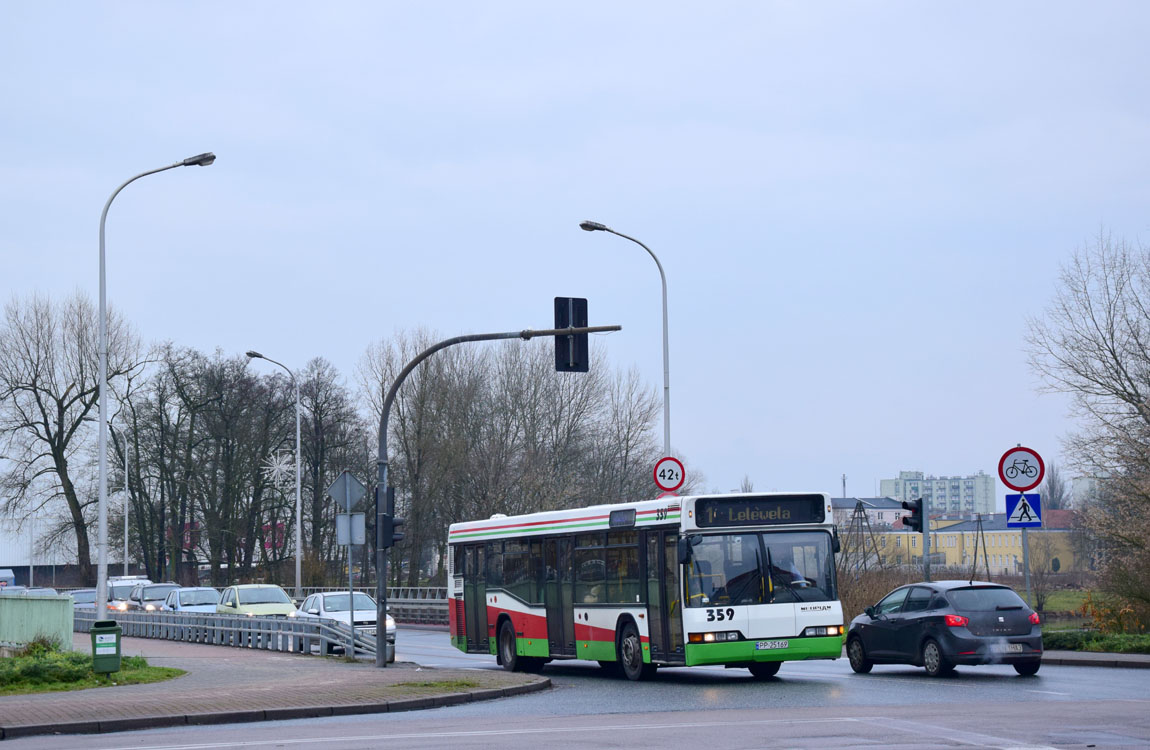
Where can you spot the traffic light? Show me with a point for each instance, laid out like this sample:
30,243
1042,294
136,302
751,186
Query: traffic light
571,353
391,524
914,520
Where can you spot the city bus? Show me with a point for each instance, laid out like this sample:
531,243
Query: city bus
736,580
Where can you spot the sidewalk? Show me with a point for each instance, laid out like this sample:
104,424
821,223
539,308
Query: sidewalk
225,685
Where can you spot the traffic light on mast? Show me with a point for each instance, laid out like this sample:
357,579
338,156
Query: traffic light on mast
571,352
391,523
914,520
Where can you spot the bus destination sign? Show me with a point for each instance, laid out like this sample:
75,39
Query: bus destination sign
759,511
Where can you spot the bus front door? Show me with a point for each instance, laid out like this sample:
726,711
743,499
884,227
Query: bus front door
475,599
560,609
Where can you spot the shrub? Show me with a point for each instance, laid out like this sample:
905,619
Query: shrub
40,646
1066,640
1113,614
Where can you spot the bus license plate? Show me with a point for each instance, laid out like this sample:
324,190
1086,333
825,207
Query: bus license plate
767,645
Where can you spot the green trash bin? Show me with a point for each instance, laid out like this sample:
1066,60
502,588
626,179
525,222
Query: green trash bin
106,646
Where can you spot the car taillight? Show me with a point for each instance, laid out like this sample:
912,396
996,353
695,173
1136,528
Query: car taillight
956,621
1034,619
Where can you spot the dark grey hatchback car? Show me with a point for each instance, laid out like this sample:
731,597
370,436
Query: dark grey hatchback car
946,623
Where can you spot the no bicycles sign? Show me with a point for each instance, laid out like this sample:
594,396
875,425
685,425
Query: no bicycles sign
1021,469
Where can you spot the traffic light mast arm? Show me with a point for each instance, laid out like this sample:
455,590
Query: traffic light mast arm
381,458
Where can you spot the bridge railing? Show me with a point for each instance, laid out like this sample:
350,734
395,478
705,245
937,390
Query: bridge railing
289,634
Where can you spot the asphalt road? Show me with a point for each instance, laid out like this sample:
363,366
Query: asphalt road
814,704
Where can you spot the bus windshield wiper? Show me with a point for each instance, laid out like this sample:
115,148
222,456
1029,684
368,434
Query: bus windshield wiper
770,578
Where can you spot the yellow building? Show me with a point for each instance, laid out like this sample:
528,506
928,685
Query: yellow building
953,543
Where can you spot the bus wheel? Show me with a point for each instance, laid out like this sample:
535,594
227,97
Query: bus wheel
631,655
511,660
764,669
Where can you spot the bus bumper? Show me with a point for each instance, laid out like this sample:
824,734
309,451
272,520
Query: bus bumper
771,649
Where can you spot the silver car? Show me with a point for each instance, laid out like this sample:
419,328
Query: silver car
333,605
191,599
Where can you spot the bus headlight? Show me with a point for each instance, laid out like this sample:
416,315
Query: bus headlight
730,635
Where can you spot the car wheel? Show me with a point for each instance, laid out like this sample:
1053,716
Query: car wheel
630,651
764,669
935,663
857,656
511,660
1027,668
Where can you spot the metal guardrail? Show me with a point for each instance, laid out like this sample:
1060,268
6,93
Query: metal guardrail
268,633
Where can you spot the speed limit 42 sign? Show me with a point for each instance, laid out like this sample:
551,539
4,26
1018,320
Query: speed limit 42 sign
669,474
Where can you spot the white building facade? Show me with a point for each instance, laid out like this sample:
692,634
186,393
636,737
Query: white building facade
951,496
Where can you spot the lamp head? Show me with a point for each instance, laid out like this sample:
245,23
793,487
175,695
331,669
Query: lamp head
254,355
200,160
592,226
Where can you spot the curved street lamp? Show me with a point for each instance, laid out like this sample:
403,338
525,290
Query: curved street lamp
199,160
298,503
594,226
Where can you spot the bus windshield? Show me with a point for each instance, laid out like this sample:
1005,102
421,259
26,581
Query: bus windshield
761,568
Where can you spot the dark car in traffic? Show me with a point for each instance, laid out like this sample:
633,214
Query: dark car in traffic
942,624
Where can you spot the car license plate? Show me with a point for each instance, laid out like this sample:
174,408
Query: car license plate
1007,648
367,631
767,645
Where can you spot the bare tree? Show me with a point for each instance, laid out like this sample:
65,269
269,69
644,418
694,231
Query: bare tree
1044,566
1094,344
49,386
1054,491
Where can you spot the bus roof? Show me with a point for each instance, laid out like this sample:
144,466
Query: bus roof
659,512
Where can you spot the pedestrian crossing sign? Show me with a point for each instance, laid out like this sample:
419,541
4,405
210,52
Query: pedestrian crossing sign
1024,511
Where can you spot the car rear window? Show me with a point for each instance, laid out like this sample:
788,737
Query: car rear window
985,599
268,595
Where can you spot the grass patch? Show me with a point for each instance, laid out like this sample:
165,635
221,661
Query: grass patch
1065,600
46,671
442,684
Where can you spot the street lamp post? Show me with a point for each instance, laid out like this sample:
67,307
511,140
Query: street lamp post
298,504
200,160
594,226
124,437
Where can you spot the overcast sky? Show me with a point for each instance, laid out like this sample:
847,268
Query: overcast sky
857,206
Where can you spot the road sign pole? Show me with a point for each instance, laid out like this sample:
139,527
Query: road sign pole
1026,565
350,587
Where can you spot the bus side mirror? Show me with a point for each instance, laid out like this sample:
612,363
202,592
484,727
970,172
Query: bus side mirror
685,545
836,545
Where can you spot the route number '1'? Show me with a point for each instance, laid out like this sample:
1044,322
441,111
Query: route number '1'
669,474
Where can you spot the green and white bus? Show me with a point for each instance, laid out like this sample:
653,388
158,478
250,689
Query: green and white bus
741,580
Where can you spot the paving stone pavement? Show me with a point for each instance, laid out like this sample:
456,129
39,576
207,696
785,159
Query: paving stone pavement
225,684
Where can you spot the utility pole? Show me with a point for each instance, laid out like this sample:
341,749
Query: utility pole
383,508
926,538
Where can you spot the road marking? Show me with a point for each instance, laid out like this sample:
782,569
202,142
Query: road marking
1046,692
373,738
935,731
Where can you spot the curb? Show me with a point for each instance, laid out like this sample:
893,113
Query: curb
1075,661
269,714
